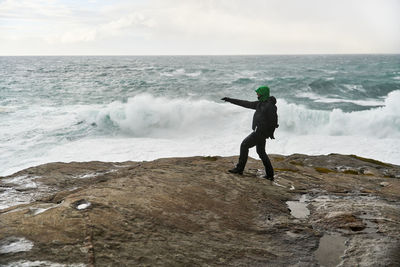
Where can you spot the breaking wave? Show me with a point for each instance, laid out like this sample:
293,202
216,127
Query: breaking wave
381,122
145,115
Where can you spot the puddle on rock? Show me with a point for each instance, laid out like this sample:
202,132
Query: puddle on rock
81,204
298,209
330,250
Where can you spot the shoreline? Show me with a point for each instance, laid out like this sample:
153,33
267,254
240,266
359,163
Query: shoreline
251,154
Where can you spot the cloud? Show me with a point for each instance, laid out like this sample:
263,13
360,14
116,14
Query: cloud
206,26
33,9
74,36
129,21
123,25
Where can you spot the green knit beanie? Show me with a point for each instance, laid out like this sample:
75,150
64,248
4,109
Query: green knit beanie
263,91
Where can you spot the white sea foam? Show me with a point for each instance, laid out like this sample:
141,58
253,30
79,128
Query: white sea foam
355,87
147,127
14,245
368,103
22,182
19,190
147,116
324,99
381,122
180,72
331,71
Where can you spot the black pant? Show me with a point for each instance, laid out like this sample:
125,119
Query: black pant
255,139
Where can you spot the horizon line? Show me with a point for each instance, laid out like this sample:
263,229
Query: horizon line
193,55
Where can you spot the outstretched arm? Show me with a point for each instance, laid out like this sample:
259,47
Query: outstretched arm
242,103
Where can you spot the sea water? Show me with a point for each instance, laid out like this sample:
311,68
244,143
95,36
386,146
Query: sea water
143,108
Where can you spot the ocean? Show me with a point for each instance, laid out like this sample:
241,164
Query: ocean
139,108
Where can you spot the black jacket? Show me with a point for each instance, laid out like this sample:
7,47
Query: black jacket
265,119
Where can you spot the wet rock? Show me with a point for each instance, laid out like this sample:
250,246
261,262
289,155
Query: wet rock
344,221
192,212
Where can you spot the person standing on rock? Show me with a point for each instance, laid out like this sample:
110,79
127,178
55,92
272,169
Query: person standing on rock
265,121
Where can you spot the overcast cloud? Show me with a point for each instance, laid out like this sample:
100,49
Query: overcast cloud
154,27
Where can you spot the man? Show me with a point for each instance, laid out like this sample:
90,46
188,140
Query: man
265,120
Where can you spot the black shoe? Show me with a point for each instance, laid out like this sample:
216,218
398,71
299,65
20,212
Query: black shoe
236,170
271,178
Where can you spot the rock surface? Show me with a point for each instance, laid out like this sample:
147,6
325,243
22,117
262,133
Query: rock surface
192,212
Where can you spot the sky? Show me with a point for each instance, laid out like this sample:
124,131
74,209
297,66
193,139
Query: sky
198,27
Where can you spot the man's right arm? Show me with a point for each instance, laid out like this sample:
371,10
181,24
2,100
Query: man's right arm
242,103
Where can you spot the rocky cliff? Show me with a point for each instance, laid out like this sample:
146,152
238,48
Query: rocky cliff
320,210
